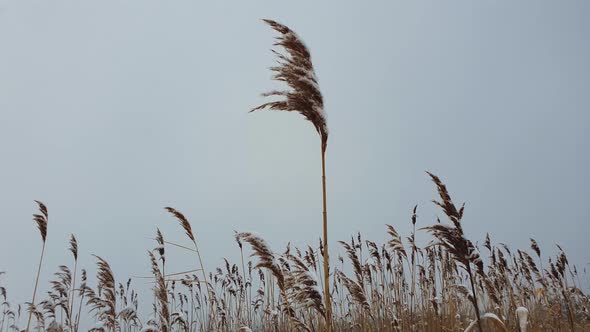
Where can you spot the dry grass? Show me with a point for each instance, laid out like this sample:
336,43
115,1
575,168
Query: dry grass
394,286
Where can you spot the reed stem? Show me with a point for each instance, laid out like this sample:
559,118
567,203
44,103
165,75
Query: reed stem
327,300
71,302
474,297
36,284
211,299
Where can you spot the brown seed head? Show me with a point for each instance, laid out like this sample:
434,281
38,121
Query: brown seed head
41,220
296,70
183,222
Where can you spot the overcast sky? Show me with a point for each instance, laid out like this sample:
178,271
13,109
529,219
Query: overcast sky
112,110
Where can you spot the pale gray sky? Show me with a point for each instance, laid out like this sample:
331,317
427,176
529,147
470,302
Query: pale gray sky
111,110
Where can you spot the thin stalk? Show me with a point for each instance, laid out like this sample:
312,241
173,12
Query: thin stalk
71,302
328,303
568,303
413,276
190,325
207,285
2,322
474,297
36,284
80,310
291,329
242,296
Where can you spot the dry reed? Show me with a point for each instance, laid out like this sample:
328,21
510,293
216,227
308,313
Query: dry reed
453,288
295,68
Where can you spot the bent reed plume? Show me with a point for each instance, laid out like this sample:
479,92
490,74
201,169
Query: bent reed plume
295,68
41,220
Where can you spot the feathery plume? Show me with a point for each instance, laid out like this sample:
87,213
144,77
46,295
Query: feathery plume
265,255
304,285
107,305
183,222
396,243
355,290
74,246
41,220
453,239
296,70
161,294
535,247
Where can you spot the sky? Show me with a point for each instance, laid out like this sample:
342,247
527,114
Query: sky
112,110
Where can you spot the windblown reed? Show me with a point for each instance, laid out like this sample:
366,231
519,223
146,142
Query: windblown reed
41,220
295,68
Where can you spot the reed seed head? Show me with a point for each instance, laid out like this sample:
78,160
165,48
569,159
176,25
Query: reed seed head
296,70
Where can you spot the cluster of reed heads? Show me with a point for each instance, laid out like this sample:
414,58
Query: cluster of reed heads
447,285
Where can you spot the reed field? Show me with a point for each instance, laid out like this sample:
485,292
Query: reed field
391,286
451,284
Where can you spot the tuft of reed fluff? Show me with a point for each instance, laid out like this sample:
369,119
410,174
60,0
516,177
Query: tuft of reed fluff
161,294
268,261
296,70
304,285
453,239
73,246
183,222
41,220
107,305
266,258
356,291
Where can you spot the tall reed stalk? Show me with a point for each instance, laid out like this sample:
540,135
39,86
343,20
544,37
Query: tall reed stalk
41,220
189,232
74,250
328,302
454,240
295,68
